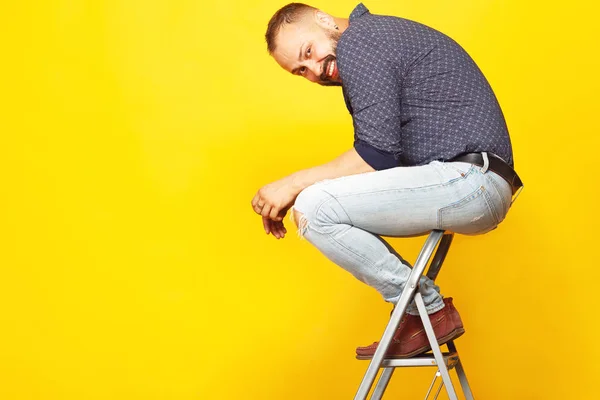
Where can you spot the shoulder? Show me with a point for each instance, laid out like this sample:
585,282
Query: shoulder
366,49
360,34
363,38
396,32
388,34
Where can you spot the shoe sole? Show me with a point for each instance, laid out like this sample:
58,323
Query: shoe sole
443,340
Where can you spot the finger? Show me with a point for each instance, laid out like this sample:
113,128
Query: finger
274,229
266,210
282,229
258,207
280,233
280,226
257,203
277,226
267,225
255,200
281,214
274,213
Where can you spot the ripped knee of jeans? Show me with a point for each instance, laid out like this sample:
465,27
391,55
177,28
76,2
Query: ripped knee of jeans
300,220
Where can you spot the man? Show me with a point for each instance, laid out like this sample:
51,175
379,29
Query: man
431,151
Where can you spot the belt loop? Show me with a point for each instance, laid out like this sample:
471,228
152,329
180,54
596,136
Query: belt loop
486,163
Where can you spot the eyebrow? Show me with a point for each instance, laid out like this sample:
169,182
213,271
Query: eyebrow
295,70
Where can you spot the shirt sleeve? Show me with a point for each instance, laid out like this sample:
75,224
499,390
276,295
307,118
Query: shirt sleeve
378,159
377,131
372,91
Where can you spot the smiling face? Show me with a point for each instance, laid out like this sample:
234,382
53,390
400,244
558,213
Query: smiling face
307,48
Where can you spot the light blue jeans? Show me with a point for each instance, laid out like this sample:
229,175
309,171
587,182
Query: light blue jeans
346,217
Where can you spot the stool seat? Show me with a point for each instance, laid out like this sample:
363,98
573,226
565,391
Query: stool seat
438,242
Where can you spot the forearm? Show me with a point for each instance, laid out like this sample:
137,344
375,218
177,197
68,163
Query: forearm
273,200
349,163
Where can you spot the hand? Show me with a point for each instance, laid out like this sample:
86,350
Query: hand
275,228
273,200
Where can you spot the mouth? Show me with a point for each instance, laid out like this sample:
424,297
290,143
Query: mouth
330,70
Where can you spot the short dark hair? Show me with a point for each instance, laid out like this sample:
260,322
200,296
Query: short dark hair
285,15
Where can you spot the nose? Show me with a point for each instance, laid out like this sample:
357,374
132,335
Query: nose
315,68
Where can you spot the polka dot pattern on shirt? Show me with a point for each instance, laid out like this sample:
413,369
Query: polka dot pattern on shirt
415,95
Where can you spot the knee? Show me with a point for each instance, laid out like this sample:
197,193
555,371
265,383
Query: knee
296,216
306,206
308,202
316,205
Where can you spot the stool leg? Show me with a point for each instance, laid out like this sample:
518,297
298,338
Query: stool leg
438,391
435,348
382,383
440,256
407,294
435,376
460,371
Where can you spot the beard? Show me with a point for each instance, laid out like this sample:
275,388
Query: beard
324,80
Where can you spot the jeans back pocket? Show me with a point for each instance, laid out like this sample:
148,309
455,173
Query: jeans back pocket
472,215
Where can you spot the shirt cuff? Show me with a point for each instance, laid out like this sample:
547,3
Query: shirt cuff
376,158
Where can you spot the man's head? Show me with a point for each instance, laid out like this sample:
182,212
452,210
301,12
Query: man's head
303,40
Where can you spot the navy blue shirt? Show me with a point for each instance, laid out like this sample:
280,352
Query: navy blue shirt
414,94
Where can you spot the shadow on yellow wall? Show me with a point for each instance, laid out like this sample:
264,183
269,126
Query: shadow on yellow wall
134,135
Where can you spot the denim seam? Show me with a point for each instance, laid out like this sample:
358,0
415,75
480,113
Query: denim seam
487,198
430,309
488,201
457,170
504,205
303,227
444,184
348,250
391,283
467,199
330,237
333,198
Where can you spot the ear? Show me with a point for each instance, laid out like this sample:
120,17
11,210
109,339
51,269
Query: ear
325,20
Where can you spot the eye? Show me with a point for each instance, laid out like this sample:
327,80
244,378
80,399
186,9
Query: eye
308,51
302,70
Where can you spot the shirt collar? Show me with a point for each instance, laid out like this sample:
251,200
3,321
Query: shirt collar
358,11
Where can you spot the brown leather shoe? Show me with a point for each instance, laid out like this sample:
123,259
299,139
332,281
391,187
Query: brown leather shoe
410,338
455,317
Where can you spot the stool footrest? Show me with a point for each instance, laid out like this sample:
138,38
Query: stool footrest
424,360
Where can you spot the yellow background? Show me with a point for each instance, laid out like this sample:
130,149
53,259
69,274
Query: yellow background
133,137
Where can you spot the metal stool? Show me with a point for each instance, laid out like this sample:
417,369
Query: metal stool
444,361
